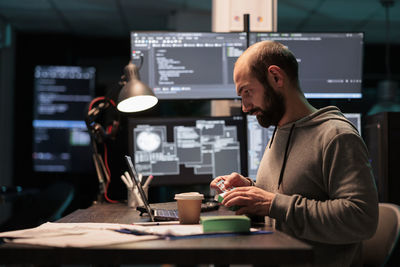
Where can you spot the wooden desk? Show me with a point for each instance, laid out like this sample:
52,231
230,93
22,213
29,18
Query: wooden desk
275,249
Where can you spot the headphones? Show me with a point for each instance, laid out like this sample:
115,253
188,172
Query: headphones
96,113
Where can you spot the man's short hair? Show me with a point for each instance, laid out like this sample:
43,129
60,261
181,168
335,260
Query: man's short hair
273,53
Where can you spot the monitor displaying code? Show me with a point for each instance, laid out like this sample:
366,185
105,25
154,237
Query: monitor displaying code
61,142
330,64
196,65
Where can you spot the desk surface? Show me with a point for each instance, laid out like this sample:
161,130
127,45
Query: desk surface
275,248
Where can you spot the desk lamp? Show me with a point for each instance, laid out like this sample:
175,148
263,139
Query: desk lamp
135,96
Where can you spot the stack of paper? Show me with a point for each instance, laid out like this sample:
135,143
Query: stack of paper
73,235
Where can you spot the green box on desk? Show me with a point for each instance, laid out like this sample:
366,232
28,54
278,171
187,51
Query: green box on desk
220,198
226,224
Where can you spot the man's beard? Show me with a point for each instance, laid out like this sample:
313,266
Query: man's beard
275,108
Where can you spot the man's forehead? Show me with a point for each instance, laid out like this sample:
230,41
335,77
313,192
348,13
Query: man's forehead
238,74
245,59
246,56
241,68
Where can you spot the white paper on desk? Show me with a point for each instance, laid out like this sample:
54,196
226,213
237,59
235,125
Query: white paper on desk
169,229
73,235
172,230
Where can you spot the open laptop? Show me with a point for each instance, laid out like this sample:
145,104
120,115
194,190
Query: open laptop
154,214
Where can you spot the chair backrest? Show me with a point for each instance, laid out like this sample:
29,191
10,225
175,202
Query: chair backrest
377,250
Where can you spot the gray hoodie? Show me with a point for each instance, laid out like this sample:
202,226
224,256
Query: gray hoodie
326,194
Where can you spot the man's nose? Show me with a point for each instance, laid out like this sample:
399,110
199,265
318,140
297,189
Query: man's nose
246,107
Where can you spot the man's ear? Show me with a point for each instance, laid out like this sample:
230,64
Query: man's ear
275,75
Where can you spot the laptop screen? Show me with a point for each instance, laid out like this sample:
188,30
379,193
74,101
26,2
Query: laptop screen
134,176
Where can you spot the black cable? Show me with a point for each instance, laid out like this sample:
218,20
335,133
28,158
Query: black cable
246,26
285,156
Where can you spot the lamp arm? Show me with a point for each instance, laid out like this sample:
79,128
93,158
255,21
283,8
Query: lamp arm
97,135
100,176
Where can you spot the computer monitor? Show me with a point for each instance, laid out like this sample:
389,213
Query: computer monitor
61,142
258,138
355,119
193,150
190,65
330,64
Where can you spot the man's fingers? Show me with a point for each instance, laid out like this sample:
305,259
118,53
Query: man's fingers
238,191
214,183
239,198
242,196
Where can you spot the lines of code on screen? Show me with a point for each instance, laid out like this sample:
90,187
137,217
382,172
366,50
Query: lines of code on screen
60,138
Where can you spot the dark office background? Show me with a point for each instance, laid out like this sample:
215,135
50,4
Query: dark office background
109,53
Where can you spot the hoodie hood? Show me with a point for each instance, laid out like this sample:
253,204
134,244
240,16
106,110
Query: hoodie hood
320,116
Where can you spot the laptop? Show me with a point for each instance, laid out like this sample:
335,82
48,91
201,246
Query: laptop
154,214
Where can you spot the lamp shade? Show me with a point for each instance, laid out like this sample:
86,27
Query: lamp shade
135,96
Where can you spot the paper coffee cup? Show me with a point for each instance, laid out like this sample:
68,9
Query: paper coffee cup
189,207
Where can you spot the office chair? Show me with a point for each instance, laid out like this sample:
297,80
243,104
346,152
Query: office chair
377,250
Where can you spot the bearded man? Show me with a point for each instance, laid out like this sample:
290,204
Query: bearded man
314,180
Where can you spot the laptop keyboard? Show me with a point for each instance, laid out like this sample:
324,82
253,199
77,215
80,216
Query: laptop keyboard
166,214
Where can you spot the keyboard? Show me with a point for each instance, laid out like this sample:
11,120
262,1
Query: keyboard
165,215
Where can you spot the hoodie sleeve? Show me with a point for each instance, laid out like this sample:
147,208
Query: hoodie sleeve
351,212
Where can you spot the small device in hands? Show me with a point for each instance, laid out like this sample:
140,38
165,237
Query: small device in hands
220,197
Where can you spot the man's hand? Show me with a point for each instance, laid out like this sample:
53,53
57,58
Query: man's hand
251,199
232,180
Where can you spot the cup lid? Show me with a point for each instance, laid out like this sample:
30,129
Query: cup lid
189,195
